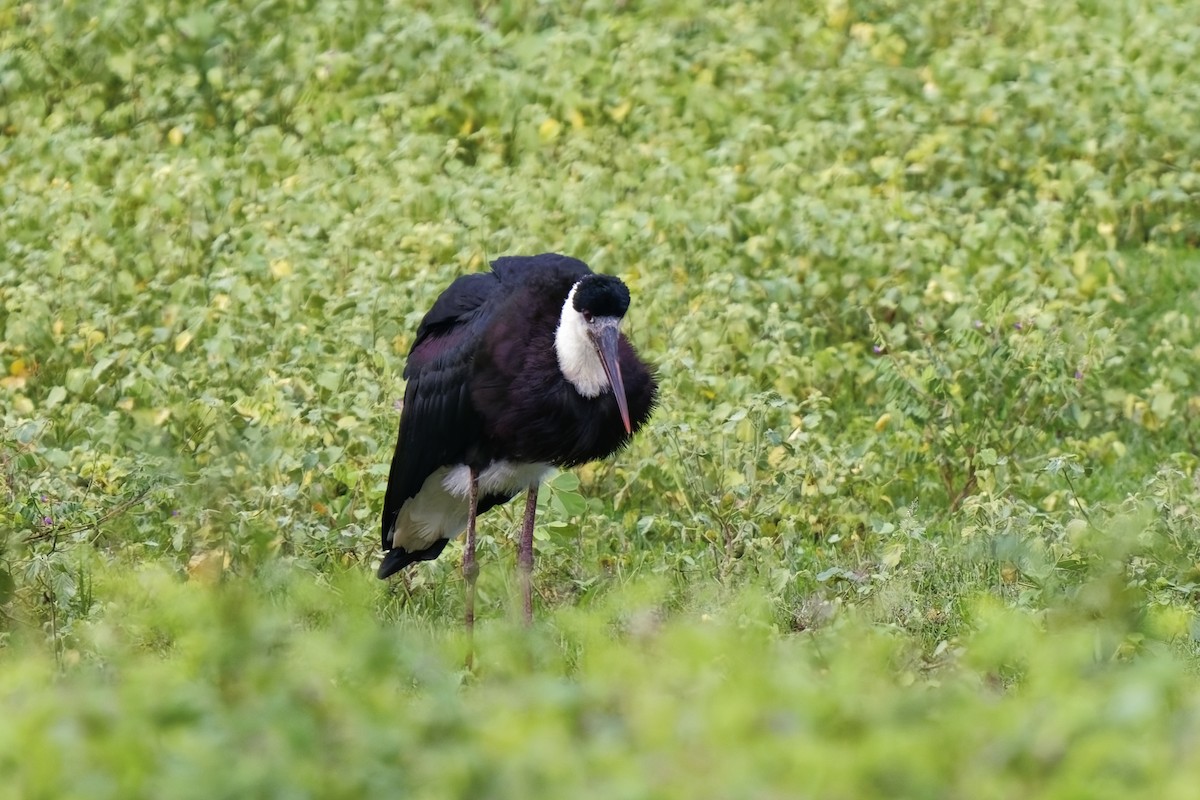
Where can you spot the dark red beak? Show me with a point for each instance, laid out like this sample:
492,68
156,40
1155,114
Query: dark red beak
607,341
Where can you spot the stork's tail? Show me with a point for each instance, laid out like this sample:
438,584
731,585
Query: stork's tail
397,558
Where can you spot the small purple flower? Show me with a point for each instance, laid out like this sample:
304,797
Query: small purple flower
47,521
877,349
978,324
1078,375
44,498
1018,325
175,513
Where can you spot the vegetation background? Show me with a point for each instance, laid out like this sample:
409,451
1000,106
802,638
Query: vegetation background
919,515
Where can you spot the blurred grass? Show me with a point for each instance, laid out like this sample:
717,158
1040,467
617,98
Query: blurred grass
289,686
919,513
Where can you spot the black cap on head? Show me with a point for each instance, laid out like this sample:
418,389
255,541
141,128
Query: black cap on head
602,296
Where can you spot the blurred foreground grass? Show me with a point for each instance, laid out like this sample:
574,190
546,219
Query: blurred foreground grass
289,686
920,512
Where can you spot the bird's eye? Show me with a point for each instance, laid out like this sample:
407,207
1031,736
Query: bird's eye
587,316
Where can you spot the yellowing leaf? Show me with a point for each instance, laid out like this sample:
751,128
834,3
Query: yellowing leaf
549,129
1079,262
182,340
862,32
281,268
175,136
576,119
18,368
618,113
248,409
837,14
1170,623
208,567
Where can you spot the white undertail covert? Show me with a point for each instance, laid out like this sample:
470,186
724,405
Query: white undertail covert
439,510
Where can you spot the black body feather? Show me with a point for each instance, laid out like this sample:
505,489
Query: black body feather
484,385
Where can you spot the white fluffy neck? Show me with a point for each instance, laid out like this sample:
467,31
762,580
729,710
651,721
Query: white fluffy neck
577,357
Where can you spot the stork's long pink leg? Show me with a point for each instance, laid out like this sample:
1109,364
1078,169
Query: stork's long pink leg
525,552
469,567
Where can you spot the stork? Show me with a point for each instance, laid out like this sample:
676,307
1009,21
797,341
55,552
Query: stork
512,372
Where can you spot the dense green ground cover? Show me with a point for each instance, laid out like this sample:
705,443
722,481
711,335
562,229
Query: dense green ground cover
919,514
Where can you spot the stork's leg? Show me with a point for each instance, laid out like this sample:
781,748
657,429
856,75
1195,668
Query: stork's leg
469,567
525,552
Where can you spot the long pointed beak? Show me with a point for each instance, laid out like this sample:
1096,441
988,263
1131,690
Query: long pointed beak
606,342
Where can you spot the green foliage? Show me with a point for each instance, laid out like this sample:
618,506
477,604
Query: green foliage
917,515
613,701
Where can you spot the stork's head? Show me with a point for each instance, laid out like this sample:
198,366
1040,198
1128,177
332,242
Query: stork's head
588,338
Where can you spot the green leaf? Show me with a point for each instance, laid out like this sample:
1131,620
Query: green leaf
573,504
55,397
198,25
564,482
329,380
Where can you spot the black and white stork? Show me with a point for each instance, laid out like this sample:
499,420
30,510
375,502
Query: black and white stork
512,372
